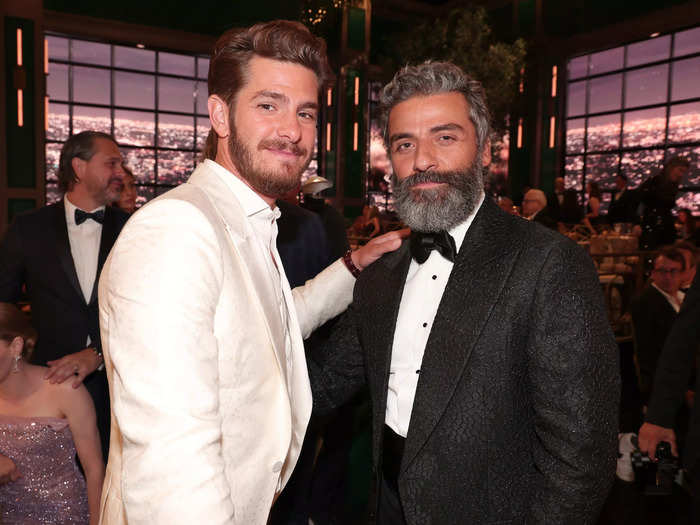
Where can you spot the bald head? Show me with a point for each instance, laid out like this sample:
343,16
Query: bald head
534,201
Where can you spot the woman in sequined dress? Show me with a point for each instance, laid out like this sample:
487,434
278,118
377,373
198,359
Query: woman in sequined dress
42,425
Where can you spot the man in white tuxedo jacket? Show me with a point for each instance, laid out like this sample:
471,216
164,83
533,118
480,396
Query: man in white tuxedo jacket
202,334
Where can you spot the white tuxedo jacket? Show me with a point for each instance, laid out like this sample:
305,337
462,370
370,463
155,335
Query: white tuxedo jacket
208,414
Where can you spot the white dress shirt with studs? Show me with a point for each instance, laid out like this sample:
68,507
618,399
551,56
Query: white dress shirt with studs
422,292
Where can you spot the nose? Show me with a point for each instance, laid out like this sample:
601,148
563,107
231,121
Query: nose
289,127
425,158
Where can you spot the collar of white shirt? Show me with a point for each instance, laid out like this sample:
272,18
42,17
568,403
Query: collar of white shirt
675,302
70,212
460,231
252,203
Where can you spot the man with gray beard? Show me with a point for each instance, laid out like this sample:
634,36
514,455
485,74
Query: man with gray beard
483,340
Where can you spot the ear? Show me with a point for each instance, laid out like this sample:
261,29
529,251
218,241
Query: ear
219,116
78,166
16,346
486,154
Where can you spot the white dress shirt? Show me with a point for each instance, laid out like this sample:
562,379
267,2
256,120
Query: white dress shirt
84,242
263,219
422,292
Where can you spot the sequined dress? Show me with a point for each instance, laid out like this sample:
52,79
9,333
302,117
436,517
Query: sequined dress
51,489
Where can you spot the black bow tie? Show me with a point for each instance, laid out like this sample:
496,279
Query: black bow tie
423,243
81,216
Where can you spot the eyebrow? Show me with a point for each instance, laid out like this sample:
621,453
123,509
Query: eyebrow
398,136
435,129
446,127
275,95
308,105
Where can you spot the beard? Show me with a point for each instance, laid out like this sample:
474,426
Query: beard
442,208
269,182
108,194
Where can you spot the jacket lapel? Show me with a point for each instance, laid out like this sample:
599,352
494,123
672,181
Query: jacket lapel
246,248
480,272
63,248
110,232
386,285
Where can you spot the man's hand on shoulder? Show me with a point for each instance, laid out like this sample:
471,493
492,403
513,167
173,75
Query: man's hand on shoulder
651,435
375,248
8,470
77,366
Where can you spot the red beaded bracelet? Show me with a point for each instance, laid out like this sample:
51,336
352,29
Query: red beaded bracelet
347,259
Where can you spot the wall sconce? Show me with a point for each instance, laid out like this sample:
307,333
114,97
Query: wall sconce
552,130
20,94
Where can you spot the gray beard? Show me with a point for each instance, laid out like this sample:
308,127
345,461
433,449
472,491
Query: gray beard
439,209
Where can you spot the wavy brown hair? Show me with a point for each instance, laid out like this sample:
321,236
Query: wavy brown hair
281,40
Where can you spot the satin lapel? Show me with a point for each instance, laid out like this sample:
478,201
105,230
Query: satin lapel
63,248
481,270
110,232
382,308
247,249
254,263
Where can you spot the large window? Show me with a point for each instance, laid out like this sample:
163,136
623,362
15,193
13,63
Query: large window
153,102
631,108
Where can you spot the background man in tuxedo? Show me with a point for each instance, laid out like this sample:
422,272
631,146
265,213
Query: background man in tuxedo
555,200
484,341
57,253
653,313
203,342
675,366
623,207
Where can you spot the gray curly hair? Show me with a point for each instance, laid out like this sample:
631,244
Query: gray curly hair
431,78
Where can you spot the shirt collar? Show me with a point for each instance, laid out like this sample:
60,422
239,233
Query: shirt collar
251,202
460,231
675,302
70,211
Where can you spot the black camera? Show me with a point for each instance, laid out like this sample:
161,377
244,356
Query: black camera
655,478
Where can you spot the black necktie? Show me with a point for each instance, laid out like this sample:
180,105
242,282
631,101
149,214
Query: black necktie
81,216
423,243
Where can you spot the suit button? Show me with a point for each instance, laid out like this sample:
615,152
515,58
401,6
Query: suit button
277,467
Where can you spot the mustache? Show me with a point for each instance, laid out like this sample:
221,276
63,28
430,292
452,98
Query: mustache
436,177
282,145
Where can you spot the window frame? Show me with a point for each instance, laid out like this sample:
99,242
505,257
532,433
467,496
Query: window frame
584,153
155,183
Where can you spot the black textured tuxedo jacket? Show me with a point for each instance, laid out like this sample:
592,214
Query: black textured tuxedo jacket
675,366
35,252
515,414
653,317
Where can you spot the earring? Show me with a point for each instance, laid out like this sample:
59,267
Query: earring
15,366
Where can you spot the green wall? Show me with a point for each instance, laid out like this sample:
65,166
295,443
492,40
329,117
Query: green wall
209,18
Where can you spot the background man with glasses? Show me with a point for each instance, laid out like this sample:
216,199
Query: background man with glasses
653,313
